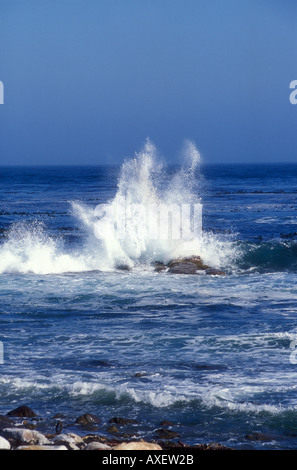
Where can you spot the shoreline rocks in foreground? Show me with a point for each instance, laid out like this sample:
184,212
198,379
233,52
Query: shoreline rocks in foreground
18,432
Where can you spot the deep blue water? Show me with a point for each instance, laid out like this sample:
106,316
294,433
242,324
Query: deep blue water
209,353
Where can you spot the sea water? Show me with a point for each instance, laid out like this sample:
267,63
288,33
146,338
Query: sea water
214,355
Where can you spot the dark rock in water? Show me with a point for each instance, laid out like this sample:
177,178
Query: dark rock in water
261,436
113,430
190,259
5,422
183,268
123,267
22,412
167,433
123,421
140,374
160,268
59,416
157,263
166,423
190,265
214,272
86,419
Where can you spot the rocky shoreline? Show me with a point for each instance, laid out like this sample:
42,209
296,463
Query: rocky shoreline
187,265
20,430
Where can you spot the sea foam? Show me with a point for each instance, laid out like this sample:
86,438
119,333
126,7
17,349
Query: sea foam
143,182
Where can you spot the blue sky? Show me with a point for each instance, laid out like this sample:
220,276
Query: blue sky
87,81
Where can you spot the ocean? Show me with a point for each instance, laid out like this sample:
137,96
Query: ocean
88,326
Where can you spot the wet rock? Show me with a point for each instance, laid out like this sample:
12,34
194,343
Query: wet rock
166,423
123,421
5,422
190,259
140,374
214,272
137,445
191,265
183,268
4,444
167,433
87,419
113,430
59,416
160,268
123,267
260,436
22,436
22,412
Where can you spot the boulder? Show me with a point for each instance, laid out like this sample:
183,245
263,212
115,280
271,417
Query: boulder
137,445
191,265
22,412
71,441
183,268
87,418
4,444
22,436
189,259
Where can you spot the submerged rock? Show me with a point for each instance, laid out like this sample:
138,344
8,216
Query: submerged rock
167,433
123,421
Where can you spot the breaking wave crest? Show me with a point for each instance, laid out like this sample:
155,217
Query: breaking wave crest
143,182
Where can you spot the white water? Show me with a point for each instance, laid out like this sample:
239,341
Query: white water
142,183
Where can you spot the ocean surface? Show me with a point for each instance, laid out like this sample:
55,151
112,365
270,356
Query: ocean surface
214,355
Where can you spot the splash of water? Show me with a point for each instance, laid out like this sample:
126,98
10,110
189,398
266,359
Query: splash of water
146,235
150,209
